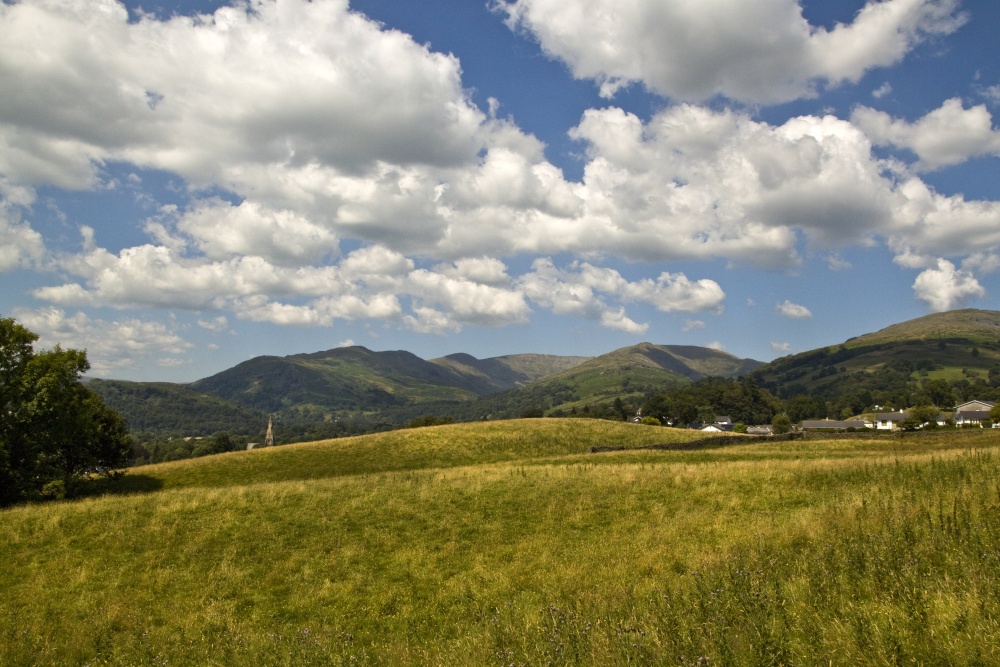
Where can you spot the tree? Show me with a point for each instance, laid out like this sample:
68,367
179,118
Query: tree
781,423
53,430
995,413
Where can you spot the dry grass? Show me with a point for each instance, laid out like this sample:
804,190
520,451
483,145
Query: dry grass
790,553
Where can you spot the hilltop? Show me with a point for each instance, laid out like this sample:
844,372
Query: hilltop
959,348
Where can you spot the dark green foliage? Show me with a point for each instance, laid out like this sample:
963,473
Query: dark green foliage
781,424
741,400
174,409
430,420
53,430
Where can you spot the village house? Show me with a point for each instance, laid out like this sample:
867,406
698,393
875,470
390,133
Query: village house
889,421
972,413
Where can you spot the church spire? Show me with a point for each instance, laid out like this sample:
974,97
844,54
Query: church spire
269,438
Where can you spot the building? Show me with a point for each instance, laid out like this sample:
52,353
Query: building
889,421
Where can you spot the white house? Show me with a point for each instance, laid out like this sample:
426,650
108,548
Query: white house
984,406
972,413
889,421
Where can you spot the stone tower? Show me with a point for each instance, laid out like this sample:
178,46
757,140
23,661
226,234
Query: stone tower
269,438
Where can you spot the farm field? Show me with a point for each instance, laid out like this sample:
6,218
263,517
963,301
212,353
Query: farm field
508,543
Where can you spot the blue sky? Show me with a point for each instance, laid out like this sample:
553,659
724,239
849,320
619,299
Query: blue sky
185,185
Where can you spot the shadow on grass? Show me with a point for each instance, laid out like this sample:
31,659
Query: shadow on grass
126,484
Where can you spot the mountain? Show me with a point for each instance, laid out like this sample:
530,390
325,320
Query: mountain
499,373
956,346
642,369
630,374
356,379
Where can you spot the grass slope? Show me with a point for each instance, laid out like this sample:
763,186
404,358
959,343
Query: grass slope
827,552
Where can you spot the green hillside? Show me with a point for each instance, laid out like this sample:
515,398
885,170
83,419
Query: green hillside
500,373
351,378
175,409
956,347
501,544
638,371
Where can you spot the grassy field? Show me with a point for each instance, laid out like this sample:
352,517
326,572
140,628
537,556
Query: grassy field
507,543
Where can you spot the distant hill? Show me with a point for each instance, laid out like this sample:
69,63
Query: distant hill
358,379
630,373
641,369
499,373
952,346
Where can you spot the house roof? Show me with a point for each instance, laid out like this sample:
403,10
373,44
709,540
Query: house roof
891,416
987,404
972,415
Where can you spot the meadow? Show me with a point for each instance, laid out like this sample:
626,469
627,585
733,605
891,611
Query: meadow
508,543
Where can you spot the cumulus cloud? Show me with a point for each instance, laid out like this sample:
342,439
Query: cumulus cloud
949,135
781,347
747,50
22,246
991,94
882,91
582,289
792,310
945,287
691,325
337,132
215,324
110,345
697,183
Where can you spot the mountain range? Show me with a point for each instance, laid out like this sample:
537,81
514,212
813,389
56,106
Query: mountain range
393,387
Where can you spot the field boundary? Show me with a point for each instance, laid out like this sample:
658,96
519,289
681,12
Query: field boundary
704,443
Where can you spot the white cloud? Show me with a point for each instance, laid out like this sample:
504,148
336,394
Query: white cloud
944,287
792,310
781,347
882,91
748,50
949,135
324,127
466,301
483,270
110,345
582,290
696,183
991,94
221,230
691,325
346,343
299,80
21,246
215,325
837,263
716,345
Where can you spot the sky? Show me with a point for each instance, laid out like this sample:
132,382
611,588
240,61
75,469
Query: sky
187,184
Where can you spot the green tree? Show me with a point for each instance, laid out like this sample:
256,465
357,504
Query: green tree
781,423
53,430
995,413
